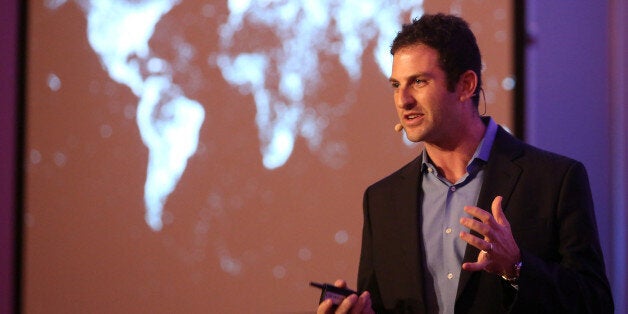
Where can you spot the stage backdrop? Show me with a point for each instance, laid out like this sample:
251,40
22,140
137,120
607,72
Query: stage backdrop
206,156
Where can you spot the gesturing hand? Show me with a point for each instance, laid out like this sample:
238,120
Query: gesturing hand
499,251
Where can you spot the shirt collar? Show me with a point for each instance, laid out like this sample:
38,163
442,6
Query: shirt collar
483,150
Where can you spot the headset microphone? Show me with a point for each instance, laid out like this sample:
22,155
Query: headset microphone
398,127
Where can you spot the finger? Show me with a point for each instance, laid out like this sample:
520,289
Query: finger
363,301
480,244
477,266
475,225
368,307
325,307
498,212
478,213
347,304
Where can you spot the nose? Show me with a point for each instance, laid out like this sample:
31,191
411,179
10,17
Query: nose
404,98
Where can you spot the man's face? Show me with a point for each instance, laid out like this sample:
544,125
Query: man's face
426,109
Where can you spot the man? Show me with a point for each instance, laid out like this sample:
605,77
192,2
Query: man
531,243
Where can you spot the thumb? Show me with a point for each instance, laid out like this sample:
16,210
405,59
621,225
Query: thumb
340,283
498,213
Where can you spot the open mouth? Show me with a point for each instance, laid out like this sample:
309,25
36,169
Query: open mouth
413,117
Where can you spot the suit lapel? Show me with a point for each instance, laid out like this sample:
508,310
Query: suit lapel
501,173
408,223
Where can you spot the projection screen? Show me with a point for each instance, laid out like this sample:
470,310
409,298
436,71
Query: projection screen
210,156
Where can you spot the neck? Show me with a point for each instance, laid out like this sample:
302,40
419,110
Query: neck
451,156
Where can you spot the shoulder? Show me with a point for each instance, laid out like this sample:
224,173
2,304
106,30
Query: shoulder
409,171
529,156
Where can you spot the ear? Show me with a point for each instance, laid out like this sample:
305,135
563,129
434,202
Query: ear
466,85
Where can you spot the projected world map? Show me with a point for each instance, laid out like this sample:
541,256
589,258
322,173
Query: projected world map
282,75
185,156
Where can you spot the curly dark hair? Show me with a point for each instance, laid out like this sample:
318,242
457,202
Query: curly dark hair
452,38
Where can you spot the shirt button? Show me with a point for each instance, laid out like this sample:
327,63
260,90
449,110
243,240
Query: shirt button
450,276
448,230
453,188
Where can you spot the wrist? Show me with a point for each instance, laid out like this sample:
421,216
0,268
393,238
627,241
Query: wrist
513,275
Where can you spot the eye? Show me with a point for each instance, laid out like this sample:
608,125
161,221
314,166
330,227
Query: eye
394,85
419,82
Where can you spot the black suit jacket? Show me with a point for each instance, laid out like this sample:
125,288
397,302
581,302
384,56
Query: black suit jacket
546,199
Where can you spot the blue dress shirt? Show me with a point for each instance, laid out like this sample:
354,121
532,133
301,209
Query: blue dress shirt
442,208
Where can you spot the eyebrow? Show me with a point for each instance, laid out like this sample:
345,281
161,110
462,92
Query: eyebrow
413,76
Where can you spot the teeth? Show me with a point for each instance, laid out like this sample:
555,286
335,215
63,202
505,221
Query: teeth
412,116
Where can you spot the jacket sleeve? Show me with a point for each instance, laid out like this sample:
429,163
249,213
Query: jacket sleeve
574,281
